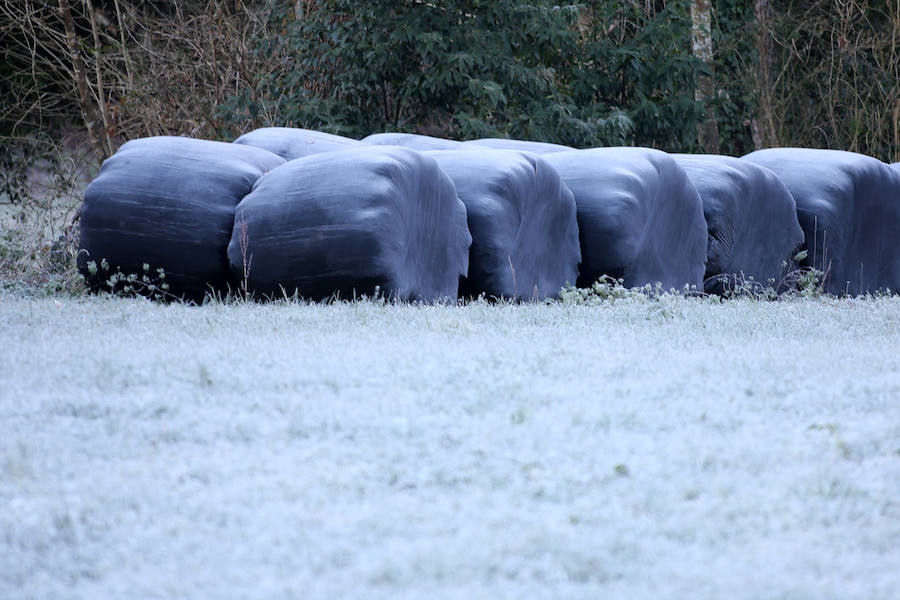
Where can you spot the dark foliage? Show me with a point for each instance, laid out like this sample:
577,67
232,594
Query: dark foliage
459,69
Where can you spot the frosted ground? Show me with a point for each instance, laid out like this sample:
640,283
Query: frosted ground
676,449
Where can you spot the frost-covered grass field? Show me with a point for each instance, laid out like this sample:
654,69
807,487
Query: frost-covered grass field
641,449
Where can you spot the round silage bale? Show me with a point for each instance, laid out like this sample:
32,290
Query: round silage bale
751,219
167,203
522,220
848,205
640,218
350,223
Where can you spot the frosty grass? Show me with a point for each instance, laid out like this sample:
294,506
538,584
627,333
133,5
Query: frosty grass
677,449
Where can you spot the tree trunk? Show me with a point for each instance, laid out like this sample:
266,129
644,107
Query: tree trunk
81,83
763,128
98,72
701,43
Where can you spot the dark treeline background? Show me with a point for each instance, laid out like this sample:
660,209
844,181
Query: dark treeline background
725,76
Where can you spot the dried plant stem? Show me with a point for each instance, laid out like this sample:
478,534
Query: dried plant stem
81,84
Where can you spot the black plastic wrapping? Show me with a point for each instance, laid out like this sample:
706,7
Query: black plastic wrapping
751,218
352,222
848,205
639,217
523,145
290,142
411,140
168,203
522,220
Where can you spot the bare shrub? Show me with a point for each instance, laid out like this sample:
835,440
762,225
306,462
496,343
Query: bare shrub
40,202
839,80
131,68
127,68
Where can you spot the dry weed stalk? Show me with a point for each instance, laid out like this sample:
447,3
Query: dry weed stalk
40,201
246,256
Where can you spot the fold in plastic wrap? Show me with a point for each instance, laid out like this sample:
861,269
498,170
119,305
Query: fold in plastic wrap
521,145
290,143
411,140
751,218
639,216
849,207
350,223
522,220
168,203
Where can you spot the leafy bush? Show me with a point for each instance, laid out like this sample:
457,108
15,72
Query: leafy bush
736,62
588,74
638,57
459,69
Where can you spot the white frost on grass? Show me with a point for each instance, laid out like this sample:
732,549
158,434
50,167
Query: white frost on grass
675,449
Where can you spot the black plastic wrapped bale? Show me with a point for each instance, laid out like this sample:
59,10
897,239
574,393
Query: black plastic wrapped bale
521,145
168,203
522,219
411,140
350,223
849,207
751,219
290,143
639,217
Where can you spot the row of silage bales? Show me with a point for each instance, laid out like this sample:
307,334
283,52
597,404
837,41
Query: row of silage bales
638,218
524,232
841,209
641,215
645,218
